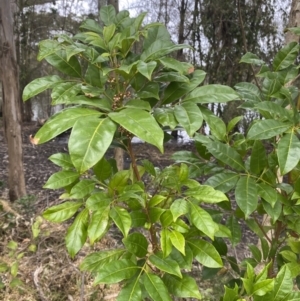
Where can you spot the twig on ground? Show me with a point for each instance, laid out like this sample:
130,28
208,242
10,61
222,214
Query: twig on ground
36,283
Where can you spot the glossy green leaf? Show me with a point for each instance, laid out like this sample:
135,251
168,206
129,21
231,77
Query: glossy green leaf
289,255
118,182
94,76
206,194
108,14
171,77
155,213
61,179
146,69
141,124
211,94
226,154
175,91
77,233
138,104
165,264
179,207
62,159
156,199
82,189
177,240
258,159
223,181
256,252
223,231
155,287
61,122
233,122
166,218
189,117
216,125
283,284
62,92
268,193
184,261
69,67
220,245
171,63
202,220
39,85
248,92
251,58
46,48
138,218
116,271
246,194
72,50
286,56
156,32
205,253
98,224
122,219
89,141
95,261
98,201
103,169
288,152
265,129
61,212
102,104
159,49
231,294
165,242
186,287
261,288
149,90
131,292
235,229
137,244
166,117
272,86
267,108
91,25
108,32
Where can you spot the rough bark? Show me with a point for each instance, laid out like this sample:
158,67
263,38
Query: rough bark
11,104
294,21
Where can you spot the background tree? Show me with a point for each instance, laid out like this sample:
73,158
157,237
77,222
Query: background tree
11,102
33,23
213,28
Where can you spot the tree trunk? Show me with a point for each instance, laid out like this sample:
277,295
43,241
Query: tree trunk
294,21
11,105
114,3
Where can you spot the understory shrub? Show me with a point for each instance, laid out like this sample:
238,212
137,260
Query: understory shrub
120,81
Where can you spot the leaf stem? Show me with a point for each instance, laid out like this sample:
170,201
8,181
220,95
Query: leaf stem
133,160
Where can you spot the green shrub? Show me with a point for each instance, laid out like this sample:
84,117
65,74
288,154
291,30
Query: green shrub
120,81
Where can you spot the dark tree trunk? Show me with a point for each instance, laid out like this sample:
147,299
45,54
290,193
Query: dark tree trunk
11,104
294,21
114,3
